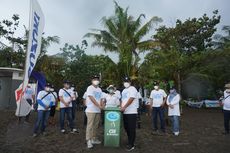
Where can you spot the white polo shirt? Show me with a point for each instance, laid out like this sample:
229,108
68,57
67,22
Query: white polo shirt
127,93
96,92
158,97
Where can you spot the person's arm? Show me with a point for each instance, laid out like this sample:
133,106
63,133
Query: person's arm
42,104
127,104
93,100
164,99
63,101
175,100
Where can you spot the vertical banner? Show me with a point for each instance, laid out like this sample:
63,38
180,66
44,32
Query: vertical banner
36,27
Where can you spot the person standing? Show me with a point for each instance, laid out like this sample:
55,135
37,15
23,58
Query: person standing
173,101
30,99
74,102
129,104
225,101
66,97
112,99
93,111
53,107
45,101
157,101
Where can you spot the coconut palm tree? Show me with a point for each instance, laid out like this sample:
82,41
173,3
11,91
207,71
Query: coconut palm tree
124,35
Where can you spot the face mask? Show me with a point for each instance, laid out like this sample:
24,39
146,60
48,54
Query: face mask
47,89
51,89
228,90
126,84
172,91
72,88
156,87
111,91
95,82
66,86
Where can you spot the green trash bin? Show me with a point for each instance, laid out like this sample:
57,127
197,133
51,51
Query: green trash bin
112,128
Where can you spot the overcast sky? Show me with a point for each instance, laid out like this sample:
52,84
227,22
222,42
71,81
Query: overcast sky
72,19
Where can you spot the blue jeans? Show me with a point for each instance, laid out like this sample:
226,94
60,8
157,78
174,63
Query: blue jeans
175,123
68,112
41,119
155,112
226,120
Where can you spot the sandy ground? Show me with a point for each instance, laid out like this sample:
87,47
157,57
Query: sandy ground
200,133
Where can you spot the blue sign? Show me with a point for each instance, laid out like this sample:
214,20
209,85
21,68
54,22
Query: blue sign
112,116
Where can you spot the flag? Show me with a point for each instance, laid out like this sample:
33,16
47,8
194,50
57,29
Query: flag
36,27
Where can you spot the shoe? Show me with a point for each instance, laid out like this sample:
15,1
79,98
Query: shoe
63,131
44,133
74,130
176,133
130,148
225,133
89,144
95,141
35,135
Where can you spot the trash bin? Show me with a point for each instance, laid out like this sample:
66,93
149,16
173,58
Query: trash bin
112,128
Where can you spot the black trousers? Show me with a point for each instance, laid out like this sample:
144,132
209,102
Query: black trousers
130,127
226,120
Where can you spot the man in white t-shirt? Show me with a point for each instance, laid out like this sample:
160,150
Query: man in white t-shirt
93,111
157,101
129,104
226,108
45,101
66,96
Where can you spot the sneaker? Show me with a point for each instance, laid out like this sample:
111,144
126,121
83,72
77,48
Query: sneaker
63,131
89,144
35,135
130,148
225,133
95,141
176,133
74,130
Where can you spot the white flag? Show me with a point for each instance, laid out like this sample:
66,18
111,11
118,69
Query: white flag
36,27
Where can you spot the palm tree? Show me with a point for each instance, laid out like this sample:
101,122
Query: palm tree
123,35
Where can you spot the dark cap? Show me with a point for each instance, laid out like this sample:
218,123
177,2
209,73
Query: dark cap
66,82
48,84
127,79
155,83
95,77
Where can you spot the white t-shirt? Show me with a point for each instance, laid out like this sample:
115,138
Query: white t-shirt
97,94
128,93
67,97
46,100
226,101
85,95
112,100
29,93
158,97
118,94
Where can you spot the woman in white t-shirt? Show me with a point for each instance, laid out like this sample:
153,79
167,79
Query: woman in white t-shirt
111,99
226,108
173,100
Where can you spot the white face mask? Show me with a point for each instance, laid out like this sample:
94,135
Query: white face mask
228,90
172,91
47,89
156,87
72,88
51,89
95,82
126,84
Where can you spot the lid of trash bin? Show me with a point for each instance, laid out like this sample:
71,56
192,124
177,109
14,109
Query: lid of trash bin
112,109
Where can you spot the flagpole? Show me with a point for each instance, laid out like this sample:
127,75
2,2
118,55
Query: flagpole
30,15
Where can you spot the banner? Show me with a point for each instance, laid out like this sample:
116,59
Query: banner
194,104
36,27
211,103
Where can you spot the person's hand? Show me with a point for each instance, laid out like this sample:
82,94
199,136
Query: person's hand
47,107
171,106
101,107
123,109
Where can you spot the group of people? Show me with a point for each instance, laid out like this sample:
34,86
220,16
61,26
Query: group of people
96,100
